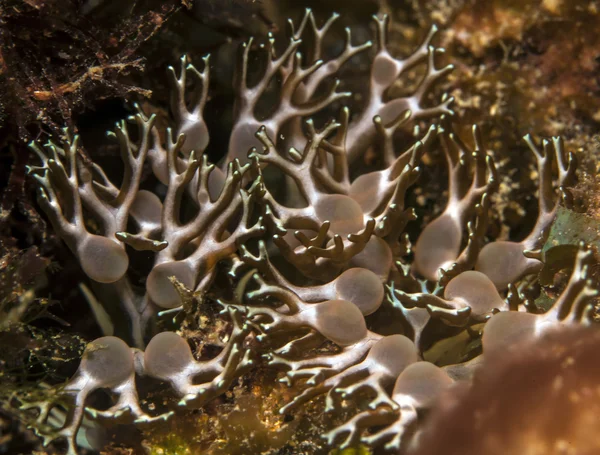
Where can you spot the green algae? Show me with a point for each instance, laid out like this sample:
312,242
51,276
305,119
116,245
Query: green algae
360,450
570,228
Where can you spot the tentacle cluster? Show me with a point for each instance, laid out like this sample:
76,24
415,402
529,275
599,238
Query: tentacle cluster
108,363
76,193
308,263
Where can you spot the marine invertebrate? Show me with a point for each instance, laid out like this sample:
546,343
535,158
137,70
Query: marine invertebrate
300,83
169,358
66,186
340,214
391,358
69,186
416,388
438,245
506,262
469,297
303,275
188,250
572,307
108,363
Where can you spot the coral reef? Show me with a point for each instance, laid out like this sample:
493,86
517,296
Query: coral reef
290,258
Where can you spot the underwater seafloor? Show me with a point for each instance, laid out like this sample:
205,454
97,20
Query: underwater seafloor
385,278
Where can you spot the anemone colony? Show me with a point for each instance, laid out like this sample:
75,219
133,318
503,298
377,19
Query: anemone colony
307,257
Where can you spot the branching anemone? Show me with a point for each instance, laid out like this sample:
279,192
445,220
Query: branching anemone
308,264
